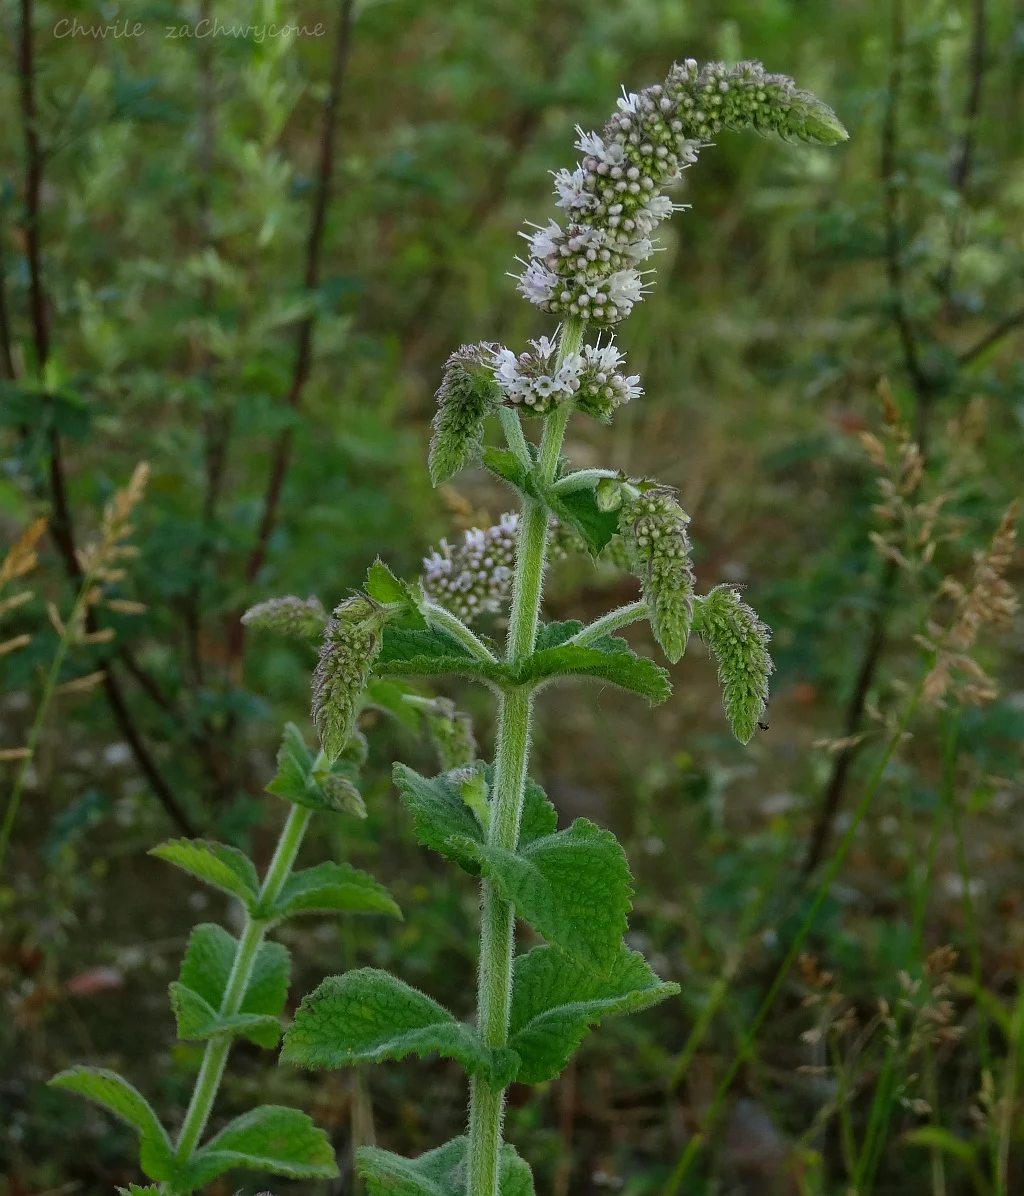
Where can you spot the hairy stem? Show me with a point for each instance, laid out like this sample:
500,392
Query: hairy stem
582,479
622,616
217,1048
444,620
497,942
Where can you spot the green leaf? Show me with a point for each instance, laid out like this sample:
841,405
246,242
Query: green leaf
224,867
507,466
197,1020
554,1001
609,658
269,1138
308,780
207,966
332,888
580,509
937,1138
107,1088
387,589
444,822
441,819
440,1172
411,652
572,886
368,1015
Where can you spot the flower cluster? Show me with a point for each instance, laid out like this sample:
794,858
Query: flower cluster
534,381
653,528
475,576
739,641
351,645
613,199
467,395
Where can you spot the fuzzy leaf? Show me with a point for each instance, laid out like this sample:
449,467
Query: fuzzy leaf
224,867
440,1172
332,888
555,1001
580,510
444,822
384,587
409,652
572,886
269,1138
368,1015
507,466
107,1088
441,819
307,780
197,1020
607,659
207,966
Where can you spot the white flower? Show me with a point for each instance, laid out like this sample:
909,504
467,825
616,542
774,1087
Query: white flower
545,241
605,358
537,282
625,288
633,389
629,101
590,144
640,250
506,367
572,193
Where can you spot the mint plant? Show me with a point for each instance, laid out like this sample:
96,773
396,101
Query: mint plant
236,988
572,885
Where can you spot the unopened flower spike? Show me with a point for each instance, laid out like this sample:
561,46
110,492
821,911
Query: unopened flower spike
653,527
613,199
739,641
467,395
289,616
352,641
474,577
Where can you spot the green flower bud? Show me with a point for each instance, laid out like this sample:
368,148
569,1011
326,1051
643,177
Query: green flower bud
653,528
451,732
467,395
289,616
739,641
351,645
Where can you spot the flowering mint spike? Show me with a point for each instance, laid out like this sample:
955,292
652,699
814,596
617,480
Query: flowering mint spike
467,395
535,381
653,528
739,641
476,576
351,644
289,616
613,199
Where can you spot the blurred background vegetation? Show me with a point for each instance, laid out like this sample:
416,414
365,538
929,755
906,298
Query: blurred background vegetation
244,261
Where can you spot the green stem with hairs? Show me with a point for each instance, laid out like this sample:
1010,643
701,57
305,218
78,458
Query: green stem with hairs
497,942
444,620
583,479
621,616
212,1070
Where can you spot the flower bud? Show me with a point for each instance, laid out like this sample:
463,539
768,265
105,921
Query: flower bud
467,395
653,528
351,645
289,616
739,641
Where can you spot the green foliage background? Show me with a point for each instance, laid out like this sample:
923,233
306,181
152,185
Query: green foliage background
179,176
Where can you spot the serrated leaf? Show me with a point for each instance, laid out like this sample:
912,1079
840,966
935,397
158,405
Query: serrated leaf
580,509
308,780
332,888
368,1015
555,1001
572,886
207,966
444,822
197,1020
270,1138
441,819
607,659
410,652
440,1172
387,589
224,867
125,1101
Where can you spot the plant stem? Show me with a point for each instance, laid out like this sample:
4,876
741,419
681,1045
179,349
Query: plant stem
444,620
622,615
497,942
582,479
217,1048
